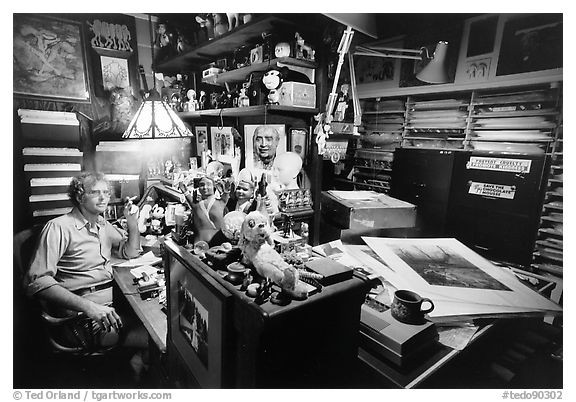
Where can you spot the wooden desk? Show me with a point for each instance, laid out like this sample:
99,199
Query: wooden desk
148,311
309,343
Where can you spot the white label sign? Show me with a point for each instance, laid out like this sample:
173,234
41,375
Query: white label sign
499,164
493,190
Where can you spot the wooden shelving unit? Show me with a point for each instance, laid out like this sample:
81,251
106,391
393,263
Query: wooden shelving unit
206,52
247,111
240,74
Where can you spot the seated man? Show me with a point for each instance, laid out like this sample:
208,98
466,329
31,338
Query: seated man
71,270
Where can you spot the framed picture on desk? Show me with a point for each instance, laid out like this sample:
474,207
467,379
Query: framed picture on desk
198,313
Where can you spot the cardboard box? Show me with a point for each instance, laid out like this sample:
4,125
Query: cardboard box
297,94
383,212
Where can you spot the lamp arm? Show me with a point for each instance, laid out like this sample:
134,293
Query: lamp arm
386,55
354,92
342,50
394,49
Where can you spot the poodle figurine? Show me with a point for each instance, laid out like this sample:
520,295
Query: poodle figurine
258,249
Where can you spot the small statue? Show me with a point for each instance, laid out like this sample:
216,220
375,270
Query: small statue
193,104
342,103
303,50
243,99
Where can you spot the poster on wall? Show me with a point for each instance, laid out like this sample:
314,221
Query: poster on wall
49,59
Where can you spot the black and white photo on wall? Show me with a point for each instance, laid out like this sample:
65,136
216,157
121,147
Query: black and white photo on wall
262,143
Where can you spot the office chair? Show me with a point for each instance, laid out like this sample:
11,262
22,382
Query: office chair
76,334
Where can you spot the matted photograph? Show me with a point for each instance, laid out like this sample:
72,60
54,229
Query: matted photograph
222,144
460,282
49,58
299,141
262,143
193,322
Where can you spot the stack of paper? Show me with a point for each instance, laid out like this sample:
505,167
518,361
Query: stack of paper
145,259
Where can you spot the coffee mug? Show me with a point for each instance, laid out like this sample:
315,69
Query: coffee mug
407,307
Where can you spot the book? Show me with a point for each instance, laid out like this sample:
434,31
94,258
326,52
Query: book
378,349
332,271
402,339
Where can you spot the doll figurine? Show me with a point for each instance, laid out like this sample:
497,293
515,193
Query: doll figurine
285,171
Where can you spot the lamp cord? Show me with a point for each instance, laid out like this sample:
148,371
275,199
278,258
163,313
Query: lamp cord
152,50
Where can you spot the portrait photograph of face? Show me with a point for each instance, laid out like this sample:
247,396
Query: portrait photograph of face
262,143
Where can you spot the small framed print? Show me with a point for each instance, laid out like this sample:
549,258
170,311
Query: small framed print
114,72
222,144
299,141
201,139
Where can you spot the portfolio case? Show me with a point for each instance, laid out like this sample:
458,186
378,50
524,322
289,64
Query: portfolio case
384,212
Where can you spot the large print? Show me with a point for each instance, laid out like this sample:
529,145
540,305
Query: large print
460,282
49,59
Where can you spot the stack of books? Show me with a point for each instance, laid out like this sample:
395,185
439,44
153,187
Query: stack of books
399,343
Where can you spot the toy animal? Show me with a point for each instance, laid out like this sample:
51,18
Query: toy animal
303,50
220,24
258,250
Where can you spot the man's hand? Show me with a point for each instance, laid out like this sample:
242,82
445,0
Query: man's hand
131,213
106,317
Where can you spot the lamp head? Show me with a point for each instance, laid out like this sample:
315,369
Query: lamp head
436,71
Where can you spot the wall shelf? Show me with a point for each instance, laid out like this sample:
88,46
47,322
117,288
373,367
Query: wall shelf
246,111
240,74
206,52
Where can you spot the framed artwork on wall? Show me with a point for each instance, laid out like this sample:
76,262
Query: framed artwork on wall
377,73
222,144
201,133
299,141
114,72
529,43
510,46
477,58
49,59
262,142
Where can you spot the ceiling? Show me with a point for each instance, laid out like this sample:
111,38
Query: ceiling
387,25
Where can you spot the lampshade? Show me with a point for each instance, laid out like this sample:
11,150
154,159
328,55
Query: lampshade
436,71
156,119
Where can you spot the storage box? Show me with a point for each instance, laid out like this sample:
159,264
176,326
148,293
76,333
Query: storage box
380,212
297,94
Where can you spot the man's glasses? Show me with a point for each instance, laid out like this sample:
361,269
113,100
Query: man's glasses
98,193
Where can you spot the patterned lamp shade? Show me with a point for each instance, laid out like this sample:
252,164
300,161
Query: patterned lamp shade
156,119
